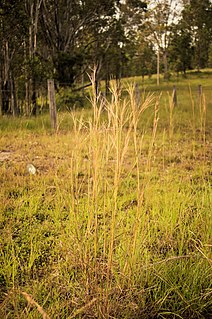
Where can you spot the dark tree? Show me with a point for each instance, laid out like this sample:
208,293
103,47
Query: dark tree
13,28
70,28
181,49
197,19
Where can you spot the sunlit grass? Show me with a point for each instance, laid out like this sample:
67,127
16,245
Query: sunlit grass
116,223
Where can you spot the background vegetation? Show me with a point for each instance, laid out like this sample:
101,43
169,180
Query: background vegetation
64,40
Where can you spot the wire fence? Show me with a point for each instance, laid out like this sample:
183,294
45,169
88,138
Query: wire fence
67,95
143,87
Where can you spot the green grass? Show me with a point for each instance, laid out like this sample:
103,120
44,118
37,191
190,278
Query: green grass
116,223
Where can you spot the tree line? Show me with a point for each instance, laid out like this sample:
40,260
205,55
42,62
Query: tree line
65,39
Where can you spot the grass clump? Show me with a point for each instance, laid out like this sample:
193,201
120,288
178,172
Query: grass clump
117,220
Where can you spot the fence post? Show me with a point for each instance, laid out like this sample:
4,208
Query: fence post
174,96
52,104
200,90
1,108
137,94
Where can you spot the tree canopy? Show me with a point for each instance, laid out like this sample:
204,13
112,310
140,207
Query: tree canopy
64,39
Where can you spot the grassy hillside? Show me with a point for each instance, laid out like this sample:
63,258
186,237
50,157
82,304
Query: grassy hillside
116,221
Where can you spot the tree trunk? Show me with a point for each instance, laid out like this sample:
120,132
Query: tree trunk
198,57
6,98
27,98
82,82
33,29
34,99
107,80
158,67
14,106
96,88
1,97
5,84
165,62
52,104
118,76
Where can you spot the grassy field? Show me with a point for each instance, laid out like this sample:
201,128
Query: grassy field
116,221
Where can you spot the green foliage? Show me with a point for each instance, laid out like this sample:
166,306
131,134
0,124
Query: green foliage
210,57
68,66
66,99
197,16
65,39
180,50
139,5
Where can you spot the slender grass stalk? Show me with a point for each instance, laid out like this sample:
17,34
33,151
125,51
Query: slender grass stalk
171,122
32,302
201,110
82,309
117,120
204,115
136,113
163,143
155,124
193,122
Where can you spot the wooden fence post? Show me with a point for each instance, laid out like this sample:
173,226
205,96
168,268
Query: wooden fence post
174,96
1,108
200,90
52,104
137,94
